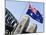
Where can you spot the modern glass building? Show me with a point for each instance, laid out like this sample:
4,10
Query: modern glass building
10,20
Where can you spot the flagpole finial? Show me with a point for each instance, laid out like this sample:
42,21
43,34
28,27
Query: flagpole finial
29,6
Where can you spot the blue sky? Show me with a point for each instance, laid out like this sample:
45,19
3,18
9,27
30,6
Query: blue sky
20,8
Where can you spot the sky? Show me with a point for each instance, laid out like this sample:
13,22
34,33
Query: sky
19,9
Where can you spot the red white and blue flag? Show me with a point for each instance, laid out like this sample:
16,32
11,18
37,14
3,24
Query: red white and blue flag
32,12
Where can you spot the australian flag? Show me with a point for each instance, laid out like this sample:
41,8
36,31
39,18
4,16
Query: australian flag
35,15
